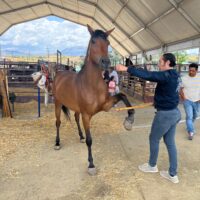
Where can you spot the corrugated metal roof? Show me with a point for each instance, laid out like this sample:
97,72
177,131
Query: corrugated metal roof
140,25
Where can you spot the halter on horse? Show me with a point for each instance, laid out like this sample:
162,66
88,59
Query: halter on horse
86,92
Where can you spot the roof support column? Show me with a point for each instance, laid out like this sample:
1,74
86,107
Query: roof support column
164,49
143,58
199,58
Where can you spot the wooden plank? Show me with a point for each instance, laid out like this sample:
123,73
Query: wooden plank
3,92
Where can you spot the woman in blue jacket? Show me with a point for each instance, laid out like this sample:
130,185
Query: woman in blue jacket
166,100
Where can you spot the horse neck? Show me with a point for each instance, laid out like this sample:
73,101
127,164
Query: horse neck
91,72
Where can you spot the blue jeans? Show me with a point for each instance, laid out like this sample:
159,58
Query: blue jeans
164,125
191,111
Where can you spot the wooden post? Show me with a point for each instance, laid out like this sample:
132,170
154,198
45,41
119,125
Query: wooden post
3,92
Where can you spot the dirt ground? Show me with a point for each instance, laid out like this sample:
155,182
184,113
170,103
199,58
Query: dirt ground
31,169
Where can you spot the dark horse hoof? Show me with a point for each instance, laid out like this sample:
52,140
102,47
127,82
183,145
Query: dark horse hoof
92,171
57,147
128,123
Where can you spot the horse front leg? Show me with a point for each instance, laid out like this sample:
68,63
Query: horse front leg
128,122
86,123
58,122
77,117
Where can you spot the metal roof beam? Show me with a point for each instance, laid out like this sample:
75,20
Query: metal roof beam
20,22
61,7
95,10
185,14
123,6
87,16
142,24
66,9
160,17
113,37
7,4
32,9
111,20
5,30
22,8
69,10
153,21
176,43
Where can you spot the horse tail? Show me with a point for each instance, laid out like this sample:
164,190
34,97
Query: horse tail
66,112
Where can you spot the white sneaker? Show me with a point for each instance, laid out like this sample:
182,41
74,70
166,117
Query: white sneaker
190,135
147,168
173,179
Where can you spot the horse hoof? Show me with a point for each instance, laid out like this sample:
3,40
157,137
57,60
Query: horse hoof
127,124
57,147
82,140
92,171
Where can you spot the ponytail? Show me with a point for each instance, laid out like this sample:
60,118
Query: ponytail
171,58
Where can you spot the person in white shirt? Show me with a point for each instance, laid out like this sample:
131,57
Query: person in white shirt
190,94
116,78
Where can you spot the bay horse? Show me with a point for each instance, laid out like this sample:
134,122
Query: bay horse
86,92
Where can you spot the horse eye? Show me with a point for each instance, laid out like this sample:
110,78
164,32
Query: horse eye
93,41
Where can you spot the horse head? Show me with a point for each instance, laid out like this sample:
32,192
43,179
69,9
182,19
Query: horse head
98,48
128,62
36,76
39,79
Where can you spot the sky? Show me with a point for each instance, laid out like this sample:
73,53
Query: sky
40,36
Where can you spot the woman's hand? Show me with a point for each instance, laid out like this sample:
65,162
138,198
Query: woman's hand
120,67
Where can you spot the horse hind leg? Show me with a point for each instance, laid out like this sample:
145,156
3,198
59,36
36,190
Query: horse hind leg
86,124
77,119
129,120
58,122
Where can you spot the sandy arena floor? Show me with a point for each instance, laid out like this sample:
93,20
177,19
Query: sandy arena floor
31,169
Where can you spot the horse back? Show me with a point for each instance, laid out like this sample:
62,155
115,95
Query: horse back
65,91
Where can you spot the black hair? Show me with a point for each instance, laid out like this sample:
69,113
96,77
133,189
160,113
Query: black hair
112,78
171,57
106,75
193,65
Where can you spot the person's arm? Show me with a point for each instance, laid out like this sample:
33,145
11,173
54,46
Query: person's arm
199,97
182,85
144,74
182,95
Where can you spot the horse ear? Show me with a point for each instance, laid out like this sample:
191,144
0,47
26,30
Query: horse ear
109,32
90,29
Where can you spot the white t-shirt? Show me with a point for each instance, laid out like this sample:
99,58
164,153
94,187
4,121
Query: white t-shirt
191,87
116,78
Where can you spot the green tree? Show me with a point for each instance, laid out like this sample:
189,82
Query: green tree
181,57
115,57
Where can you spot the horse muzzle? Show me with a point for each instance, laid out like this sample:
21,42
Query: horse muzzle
104,63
